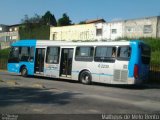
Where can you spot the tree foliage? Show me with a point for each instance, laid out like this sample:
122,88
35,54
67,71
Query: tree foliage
64,21
35,19
46,19
49,19
40,32
37,27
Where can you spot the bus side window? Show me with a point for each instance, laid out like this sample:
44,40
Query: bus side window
84,53
52,56
24,54
32,52
105,54
124,53
114,52
145,54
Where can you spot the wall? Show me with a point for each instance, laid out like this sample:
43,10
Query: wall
9,36
74,32
143,27
113,30
4,45
94,31
133,28
158,27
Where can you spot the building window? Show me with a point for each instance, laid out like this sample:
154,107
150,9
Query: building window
14,37
7,38
129,29
98,32
114,31
84,53
54,36
147,29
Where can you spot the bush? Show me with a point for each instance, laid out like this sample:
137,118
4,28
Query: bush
4,53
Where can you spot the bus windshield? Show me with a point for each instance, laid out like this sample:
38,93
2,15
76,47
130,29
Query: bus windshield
14,55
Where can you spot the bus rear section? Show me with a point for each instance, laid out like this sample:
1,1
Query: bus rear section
143,67
139,63
129,66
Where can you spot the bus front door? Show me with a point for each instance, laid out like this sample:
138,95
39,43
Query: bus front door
66,62
39,60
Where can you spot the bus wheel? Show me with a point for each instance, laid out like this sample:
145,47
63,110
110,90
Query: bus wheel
85,77
24,72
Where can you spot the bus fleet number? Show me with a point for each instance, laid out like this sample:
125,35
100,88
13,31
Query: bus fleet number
103,66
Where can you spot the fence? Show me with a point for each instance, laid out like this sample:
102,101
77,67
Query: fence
154,74
3,62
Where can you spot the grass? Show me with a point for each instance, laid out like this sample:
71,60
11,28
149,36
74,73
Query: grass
155,58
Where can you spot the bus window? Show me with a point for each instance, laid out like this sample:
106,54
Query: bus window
146,53
84,53
14,53
105,54
24,54
52,56
32,54
124,53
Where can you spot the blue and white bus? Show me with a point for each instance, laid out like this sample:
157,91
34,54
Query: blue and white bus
120,62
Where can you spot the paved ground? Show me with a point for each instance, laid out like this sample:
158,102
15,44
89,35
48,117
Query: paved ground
43,95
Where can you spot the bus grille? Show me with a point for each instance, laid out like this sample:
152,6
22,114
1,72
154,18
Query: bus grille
120,75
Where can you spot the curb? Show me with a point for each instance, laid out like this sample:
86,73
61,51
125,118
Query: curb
3,70
12,82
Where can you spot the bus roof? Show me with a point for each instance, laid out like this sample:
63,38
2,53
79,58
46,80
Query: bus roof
70,43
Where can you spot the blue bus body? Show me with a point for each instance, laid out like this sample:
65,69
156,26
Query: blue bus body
16,66
137,60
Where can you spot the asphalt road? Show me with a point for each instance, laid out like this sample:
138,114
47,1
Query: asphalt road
51,96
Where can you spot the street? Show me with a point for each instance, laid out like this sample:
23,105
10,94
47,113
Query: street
41,95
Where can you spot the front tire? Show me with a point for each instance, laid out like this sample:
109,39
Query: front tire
24,72
86,78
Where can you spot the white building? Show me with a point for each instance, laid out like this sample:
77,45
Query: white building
8,35
109,31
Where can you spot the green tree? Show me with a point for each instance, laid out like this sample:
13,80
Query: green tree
64,21
33,28
35,19
31,22
49,19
